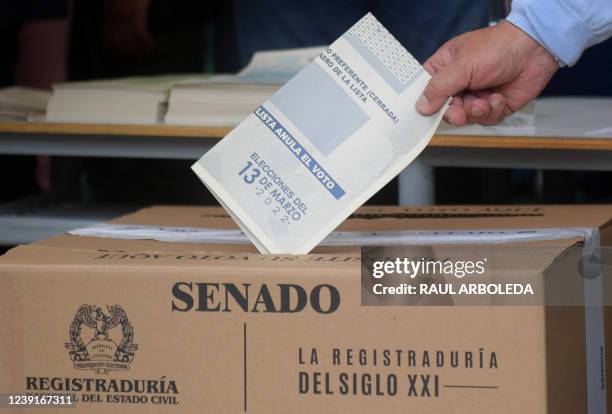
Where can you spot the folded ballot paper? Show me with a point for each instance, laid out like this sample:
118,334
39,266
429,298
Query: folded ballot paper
327,141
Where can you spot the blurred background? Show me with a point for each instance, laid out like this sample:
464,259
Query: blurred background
46,42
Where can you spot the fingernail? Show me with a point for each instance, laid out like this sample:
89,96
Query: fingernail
422,104
496,103
476,111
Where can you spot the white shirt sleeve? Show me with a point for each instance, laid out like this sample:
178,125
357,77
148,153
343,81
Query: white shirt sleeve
564,27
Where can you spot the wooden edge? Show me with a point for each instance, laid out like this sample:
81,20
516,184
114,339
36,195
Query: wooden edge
177,131
521,142
113,129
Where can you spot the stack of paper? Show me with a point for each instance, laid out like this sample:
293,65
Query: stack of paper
226,100
19,103
136,100
335,134
215,104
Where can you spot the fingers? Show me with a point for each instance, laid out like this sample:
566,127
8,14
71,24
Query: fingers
446,82
455,114
468,109
499,110
476,108
451,77
486,108
441,58
482,107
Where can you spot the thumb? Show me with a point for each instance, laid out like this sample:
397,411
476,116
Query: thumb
446,82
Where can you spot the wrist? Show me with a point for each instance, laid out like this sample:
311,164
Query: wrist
555,26
524,46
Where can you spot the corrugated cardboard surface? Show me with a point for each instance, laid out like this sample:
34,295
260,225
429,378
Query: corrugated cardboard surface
244,361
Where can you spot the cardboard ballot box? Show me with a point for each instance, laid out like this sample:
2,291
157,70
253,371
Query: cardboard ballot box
138,325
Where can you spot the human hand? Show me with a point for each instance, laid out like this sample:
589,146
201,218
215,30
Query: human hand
490,73
126,27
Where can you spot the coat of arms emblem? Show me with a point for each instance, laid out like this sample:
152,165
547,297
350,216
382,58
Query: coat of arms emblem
106,343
